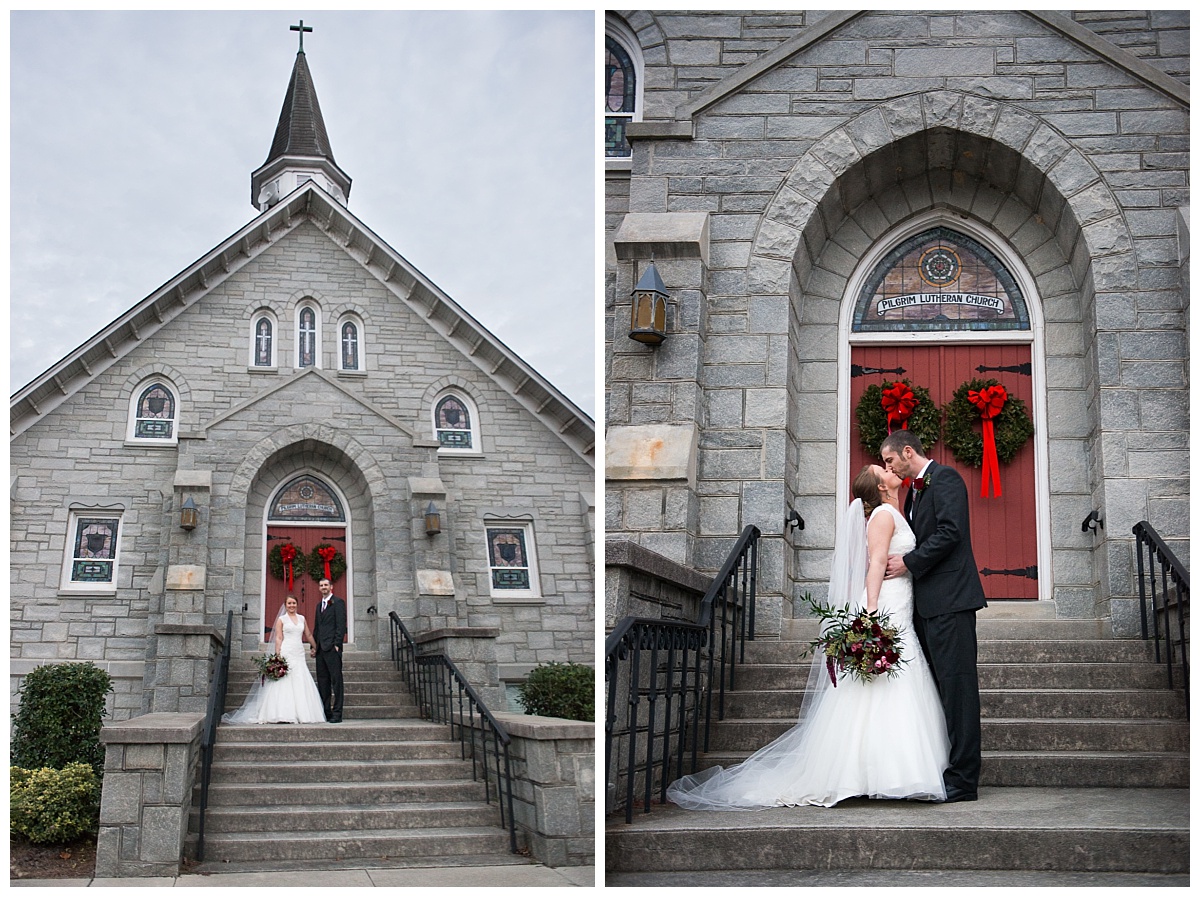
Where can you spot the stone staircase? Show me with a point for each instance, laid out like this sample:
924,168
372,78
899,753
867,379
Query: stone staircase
383,787
1085,769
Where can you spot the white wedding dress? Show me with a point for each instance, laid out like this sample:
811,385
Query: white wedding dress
881,739
292,699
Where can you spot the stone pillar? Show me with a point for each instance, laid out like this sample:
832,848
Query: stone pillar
554,792
437,604
150,768
473,650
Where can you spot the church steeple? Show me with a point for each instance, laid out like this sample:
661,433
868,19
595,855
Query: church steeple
300,150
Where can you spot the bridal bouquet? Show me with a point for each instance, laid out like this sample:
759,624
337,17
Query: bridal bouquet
271,666
861,644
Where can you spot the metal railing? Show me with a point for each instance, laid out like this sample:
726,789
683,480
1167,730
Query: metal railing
685,666
444,696
208,738
1164,589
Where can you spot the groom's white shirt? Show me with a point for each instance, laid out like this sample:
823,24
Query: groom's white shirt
918,476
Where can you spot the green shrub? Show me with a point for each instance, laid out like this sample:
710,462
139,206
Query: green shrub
564,690
58,723
54,806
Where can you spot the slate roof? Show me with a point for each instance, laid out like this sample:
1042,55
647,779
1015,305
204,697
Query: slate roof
301,129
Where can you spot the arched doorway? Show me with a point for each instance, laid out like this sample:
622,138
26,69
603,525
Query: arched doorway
307,531
938,303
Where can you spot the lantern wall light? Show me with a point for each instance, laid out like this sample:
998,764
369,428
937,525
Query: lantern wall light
189,516
648,320
433,520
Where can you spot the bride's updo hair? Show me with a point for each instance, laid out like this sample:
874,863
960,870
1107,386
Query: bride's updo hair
866,487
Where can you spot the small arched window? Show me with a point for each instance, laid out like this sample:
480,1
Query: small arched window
262,341
154,413
308,336
622,86
350,344
455,423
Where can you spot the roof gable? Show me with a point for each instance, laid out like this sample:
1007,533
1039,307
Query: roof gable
307,204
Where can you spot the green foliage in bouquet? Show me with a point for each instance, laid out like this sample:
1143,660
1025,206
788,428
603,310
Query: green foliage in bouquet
59,720
563,690
271,666
862,645
54,806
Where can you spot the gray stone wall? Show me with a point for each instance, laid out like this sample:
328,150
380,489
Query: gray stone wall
370,432
1068,144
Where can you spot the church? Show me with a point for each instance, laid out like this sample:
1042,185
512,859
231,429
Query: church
299,402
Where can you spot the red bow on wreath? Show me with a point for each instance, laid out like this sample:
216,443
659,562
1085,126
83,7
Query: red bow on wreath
990,402
327,554
899,403
287,554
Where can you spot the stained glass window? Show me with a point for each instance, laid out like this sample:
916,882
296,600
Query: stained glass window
349,346
306,498
263,342
620,86
307,338
508,558
155,415
940,280
94,550
453,423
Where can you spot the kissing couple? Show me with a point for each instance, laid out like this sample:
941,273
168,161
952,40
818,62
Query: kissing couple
914,734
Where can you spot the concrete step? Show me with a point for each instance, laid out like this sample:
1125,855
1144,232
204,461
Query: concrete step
334,751
1085,769
991,627
429,843
1106,651
363,771
382,685
350,730
349,817
335,794
1046,829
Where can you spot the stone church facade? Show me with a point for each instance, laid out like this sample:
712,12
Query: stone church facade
302,385
846,199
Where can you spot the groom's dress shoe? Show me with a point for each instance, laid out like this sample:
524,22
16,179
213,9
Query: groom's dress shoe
956,794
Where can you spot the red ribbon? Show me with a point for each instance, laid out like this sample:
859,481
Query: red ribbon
327,554
990,402
899,403
288,554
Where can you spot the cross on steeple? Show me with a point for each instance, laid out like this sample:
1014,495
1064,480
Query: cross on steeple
301,29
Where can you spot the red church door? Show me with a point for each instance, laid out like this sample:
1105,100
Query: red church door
1004,534
304,586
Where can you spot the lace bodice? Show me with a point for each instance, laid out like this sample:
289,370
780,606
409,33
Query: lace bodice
903,540
293,635
895,595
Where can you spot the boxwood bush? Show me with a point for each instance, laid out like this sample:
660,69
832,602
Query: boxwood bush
59,720
54,806
564,690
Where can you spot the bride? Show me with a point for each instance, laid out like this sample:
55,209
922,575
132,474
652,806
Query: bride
294,698
881,739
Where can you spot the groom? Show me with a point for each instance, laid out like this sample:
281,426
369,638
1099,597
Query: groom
946,594
328,632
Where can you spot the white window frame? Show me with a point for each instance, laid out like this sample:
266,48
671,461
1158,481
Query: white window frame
135,398
66,583
362,355
472,411
272,362
516,596
623,35
316,310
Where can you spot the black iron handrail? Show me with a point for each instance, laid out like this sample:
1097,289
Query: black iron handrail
208,738
444,696
683,665
1172,584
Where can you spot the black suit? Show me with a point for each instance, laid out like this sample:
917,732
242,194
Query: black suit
329,630
946,594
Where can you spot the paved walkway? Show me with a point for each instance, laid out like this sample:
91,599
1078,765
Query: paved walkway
514,876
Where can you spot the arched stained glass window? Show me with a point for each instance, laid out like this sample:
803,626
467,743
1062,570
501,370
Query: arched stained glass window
306,498
155,413
349,346
306,337
940,280
452,421
620,92
264,342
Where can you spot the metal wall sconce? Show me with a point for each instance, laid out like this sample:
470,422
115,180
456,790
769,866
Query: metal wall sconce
433,520
793,519
188,515
648,321
1091,520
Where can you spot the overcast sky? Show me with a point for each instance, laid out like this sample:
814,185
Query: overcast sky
469,137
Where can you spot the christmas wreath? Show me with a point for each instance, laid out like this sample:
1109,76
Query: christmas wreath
896,405
286,563
1006,426
326,562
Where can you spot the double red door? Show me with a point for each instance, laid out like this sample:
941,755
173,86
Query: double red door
304,586
1004,533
